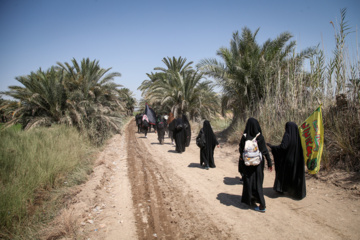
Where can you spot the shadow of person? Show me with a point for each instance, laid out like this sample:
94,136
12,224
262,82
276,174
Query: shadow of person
232,181
271,193
172,151
231,200
157,143
195,165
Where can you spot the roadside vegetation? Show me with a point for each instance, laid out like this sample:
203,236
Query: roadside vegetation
50,130
32,164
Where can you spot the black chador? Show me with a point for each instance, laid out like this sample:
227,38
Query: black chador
289,163
207,152
187,130
179,135
253,176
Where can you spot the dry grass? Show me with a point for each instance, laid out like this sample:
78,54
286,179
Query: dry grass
64,226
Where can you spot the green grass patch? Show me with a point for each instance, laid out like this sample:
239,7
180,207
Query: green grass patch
220,123
32,162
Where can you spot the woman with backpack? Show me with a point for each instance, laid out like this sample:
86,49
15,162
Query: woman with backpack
207,145
289,163
252,164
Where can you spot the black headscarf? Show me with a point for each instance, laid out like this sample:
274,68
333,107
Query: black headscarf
252,128
289,163
210,137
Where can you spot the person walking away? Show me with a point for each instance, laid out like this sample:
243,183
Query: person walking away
166,117
187,130
145,124
138,121
289,163
253,175
179,135
160,126
171,126
207,152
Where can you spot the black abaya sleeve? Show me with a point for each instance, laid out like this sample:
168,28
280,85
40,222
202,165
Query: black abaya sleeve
263,149
241,146
241,150
283,145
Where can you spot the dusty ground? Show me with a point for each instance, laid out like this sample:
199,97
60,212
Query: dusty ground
143,190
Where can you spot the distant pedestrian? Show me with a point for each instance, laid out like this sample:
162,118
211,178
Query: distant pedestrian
180,135
160,126
166,117
145,124
187,127
207,152
138,120
171,126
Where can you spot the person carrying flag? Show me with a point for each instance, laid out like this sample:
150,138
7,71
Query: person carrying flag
289,163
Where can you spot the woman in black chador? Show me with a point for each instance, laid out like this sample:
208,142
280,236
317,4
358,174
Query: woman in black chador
289,163
253,176
179,135
160,126
187,130
207,152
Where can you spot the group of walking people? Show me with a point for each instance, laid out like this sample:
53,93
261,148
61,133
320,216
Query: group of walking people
289,165
178,129
288,157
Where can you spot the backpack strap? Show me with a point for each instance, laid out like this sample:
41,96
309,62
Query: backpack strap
256,136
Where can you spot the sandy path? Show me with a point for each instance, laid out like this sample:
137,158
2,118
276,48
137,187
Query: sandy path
144,190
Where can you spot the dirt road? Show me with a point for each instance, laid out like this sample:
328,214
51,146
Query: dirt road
143,190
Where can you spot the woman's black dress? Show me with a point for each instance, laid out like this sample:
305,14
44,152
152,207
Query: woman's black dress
187,130
253,176
289,163
207,152
161,130
179,135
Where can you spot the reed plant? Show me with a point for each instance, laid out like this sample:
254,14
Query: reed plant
34,162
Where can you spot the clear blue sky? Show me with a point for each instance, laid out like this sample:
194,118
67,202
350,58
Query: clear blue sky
132,37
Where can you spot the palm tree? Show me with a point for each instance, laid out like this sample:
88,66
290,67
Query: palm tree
178,88
127,97
248,69
82,95
42,100
90,79
175,65
93,98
